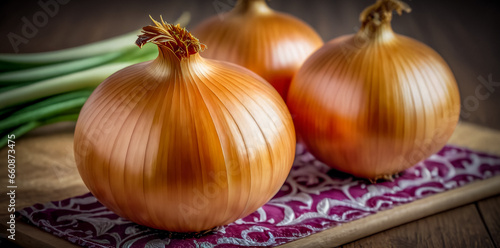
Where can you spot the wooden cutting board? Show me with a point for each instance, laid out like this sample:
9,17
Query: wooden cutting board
46,171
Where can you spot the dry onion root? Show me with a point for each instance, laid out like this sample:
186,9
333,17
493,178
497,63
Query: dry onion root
271,44
374,103
183,143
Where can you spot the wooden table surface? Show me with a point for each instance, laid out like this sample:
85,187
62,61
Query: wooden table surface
46,169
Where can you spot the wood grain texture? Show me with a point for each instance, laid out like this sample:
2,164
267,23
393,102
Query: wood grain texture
479,139
464,34
459,227
30,236
46,172
45,167
490,213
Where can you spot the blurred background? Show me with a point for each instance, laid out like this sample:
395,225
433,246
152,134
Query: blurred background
465,33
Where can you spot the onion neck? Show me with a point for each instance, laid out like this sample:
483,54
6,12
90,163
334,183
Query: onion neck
376,20
251,6
382,33
167,63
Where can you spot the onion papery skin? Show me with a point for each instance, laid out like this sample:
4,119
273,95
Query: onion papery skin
375,103
271,44
185,144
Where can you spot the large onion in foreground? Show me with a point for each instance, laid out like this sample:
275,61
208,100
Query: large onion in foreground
270,43
183,143
374,103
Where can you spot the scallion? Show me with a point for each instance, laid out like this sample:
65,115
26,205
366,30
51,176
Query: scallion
42,88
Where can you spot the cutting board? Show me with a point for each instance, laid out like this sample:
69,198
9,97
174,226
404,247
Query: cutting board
46,172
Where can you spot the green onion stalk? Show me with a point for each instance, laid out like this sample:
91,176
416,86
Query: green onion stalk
38,89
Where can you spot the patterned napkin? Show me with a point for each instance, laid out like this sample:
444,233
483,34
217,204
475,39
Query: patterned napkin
313,199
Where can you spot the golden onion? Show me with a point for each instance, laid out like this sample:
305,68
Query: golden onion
272,44
183,143
374,103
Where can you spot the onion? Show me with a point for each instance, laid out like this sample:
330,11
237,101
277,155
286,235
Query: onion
183,143
374,103
272,44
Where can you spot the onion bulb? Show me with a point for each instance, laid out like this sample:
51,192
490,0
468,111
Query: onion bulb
374,103
183,143
271,44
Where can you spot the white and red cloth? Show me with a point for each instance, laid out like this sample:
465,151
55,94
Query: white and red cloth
313,198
